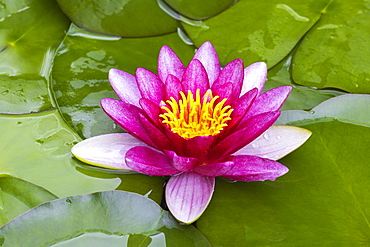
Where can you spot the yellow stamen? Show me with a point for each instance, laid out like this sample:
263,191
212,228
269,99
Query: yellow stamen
191,117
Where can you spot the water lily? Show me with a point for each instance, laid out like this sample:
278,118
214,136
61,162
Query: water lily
194,123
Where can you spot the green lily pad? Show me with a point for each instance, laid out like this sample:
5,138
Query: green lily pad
322,200
110,218
11,7
300,98
257,30
36,148
120,17
335,51
18,196
80,73
333,34
24,94
144,185
199,9
30,32
137,183
348,108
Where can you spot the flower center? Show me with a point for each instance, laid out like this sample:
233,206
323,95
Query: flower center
191,117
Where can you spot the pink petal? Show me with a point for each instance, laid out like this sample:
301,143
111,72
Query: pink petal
225,92
233,72
271,100
252,168
184,164
148,161
241,106
126,116
160,141
254,127
276,142
188,195
195,77
207,55
150,86
177,141
198,146
254,77
125,86
173,87
214,169
152,110
106,150
169,63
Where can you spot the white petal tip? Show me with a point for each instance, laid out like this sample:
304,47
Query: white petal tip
276,142
260,65
114,74
113,70
107,151
188,195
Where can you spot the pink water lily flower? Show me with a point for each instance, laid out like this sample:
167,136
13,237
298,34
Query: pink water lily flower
194,123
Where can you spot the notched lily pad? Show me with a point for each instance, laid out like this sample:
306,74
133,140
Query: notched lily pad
335,51
30,32
300,98
256,30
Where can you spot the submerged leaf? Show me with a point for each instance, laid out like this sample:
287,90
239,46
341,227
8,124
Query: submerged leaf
110,217
18,196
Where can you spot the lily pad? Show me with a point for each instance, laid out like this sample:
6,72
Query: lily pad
329,35
300,98
113,218
335,51
24,94
257,30
30,32
199,9
36,148
120,17
12,7
80,73
322,200
348,108
18,196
